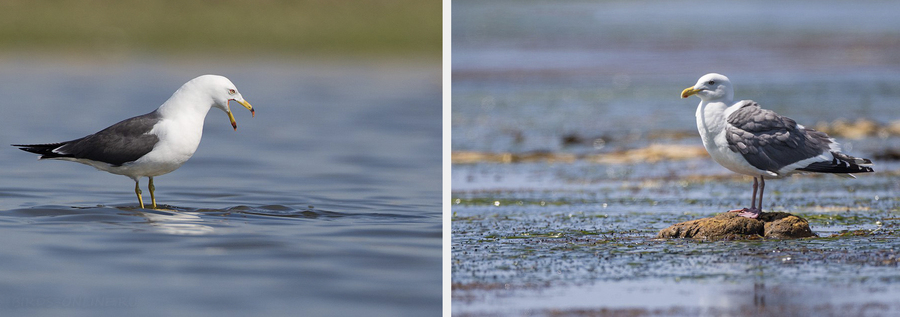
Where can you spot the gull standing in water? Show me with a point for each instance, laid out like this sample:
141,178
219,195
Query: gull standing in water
155,143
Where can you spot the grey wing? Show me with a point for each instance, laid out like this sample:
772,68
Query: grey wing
118,144
769,141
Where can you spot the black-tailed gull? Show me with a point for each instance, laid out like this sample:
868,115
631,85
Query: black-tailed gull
754,141
155,143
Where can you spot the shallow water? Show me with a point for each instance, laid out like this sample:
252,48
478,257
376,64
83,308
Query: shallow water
574,237
325,203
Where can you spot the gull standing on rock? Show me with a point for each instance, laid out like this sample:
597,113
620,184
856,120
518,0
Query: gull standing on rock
750,140
155,143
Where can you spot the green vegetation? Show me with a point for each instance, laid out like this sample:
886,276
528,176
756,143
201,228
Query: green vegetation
300,28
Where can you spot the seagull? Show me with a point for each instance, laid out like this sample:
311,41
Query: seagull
750,140
152,144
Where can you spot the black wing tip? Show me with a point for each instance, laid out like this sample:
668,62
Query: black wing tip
842,163
45,150
850,159
42,145
827,167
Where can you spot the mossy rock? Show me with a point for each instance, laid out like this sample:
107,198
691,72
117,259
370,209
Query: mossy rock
731,226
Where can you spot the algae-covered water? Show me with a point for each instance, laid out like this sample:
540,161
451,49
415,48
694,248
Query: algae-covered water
572,149
591,246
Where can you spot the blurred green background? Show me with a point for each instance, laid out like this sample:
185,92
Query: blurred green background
304,28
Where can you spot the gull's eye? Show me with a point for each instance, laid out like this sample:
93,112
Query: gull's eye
231,91
711,82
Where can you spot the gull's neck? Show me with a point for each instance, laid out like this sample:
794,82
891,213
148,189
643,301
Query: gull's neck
711,116
186,104
184,112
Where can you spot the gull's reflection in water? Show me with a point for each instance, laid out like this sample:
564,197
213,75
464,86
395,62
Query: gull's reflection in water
176,222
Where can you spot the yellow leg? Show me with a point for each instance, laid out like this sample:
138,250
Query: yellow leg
152,195
137,190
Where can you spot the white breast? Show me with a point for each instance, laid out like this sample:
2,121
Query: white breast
172,150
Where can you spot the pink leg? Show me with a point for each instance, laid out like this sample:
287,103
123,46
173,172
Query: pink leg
754,212
762,188
753,201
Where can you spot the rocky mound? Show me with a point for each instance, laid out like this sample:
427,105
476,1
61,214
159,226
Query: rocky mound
730,226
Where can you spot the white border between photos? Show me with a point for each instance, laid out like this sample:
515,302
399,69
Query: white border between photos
445,161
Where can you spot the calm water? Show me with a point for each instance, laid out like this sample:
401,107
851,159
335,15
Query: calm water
326,203
592,78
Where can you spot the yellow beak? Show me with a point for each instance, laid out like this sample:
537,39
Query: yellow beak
689,92
246,105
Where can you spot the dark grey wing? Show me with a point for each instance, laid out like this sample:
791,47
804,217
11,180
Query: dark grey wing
118,144
769,141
